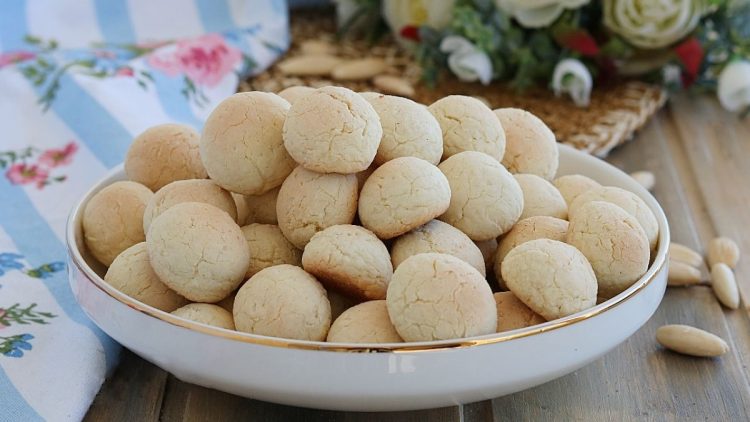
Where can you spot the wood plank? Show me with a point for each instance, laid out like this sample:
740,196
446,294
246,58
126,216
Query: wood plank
187,402
132,393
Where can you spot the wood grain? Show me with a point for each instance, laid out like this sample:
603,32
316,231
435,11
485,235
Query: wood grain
699,155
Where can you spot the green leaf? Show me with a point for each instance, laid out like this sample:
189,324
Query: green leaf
30,39
141,84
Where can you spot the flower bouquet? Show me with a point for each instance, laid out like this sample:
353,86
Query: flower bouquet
572,46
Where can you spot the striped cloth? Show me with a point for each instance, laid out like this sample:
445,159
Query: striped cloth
78,80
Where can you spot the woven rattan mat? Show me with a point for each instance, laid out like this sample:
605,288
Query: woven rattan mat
616,112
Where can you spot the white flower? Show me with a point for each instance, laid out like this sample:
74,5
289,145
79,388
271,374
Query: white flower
466,60
572,77
436,14
734,86
652,24
537,13
671,75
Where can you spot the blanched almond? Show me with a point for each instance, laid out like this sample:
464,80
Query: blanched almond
644,178
360,69
317,47
725,250
725,286
393,85
309,65
682,253
691,341
682,274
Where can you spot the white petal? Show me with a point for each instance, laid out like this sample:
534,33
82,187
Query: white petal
734,86
455,43
572,77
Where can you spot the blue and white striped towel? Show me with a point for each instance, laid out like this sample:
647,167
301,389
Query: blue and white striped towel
78,80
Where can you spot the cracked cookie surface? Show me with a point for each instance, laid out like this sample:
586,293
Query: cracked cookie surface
540,197
268,247
367,322
195,190
530,146
468,125
573,185
513,314
206,313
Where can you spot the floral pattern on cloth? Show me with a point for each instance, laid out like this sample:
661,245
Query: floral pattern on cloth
201,61
14,345
12,261
33,166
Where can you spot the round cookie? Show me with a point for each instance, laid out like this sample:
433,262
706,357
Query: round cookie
283,301
332,130
206,313
540,197
530,146
240,203
539,227
485,199
572,185
205,191
113,219
552,278
613,242
262,208
409,130
438,297
401,195
268,247
468,125
242,146
308,202
349,259
163,154
439,237
131,273
626,200
513,314
367,322
294,93
198,251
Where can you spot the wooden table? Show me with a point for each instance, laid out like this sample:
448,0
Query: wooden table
699,155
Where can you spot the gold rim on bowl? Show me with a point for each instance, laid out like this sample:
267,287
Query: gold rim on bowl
77,259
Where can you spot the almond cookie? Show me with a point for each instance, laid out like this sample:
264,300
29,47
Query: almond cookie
468,125
349,259
332,130
113,219
262,208
552,278
409,130
626,200
268,247
294,93
131,273
530,146
205,191
572,185
283,301
308,202
540,197
367,322
538,227
163,154
437,236
241,144
613,242
513,314
401,195
206,313
485,199
198,251
436,296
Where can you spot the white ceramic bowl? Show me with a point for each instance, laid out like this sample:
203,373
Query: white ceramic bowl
374,377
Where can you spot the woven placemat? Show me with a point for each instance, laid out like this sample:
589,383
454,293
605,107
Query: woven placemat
615,113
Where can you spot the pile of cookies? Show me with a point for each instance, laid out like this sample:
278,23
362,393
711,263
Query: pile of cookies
326,214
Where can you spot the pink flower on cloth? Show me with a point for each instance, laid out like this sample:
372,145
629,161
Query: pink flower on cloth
124,71
204,60
15,57
22,173
58,157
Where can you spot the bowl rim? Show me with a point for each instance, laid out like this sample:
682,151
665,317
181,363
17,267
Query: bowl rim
660,261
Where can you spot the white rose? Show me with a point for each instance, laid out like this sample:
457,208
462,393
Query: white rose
572,77
537,13
734,86
436,14
651,24
466,60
